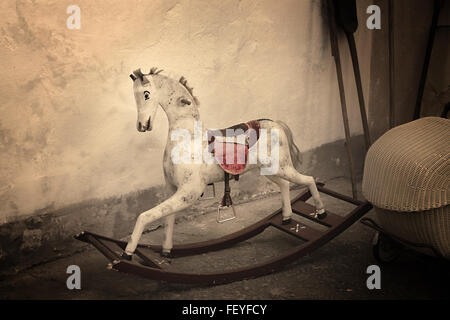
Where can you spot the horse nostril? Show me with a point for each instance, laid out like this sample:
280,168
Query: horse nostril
143,127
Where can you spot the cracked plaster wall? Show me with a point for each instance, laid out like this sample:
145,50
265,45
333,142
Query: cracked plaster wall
67,125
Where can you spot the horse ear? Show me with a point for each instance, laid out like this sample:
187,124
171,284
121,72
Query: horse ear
133,77
138,73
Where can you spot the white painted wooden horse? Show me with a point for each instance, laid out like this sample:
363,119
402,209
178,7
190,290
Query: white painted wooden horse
189,179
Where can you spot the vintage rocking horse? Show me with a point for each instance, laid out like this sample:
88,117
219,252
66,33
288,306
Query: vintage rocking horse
188,179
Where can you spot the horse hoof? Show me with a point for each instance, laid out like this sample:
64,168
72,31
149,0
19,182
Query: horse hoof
166,254
322,215
287,221
126,256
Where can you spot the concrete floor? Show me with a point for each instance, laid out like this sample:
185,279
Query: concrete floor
335,271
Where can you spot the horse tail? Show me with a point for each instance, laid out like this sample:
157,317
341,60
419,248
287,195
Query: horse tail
296,156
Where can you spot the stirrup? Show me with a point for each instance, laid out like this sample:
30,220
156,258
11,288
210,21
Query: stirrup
226,202
222,216
213,192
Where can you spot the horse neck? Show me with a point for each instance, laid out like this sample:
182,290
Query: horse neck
179,118
175,123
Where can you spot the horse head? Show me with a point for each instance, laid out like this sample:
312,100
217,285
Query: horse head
152,90
147,98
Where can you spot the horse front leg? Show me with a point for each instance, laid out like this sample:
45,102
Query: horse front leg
170,221
183,198
168,237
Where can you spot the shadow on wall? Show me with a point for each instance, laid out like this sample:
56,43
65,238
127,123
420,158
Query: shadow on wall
437,86
412,20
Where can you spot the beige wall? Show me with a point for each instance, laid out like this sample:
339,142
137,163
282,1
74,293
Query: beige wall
67,125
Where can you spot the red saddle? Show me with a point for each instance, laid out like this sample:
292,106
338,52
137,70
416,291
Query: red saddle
233,156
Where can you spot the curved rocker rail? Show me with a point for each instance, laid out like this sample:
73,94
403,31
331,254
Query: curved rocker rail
314,239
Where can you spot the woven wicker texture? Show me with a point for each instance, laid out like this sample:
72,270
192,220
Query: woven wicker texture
431,227
408,168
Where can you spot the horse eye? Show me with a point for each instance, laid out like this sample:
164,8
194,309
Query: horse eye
146,95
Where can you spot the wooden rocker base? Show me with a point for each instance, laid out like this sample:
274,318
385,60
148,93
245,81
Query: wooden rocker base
156,269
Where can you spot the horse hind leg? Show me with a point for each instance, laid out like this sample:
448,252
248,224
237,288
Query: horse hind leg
285,197
291,174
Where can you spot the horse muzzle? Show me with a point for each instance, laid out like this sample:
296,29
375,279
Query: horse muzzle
142,127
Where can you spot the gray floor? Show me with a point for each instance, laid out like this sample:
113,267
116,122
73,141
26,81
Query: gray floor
335,271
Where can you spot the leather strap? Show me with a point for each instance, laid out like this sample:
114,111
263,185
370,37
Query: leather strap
226,200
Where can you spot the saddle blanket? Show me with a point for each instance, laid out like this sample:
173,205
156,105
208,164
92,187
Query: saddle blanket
230,153
232,157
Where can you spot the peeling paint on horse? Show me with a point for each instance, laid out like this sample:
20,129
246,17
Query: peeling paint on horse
191,179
